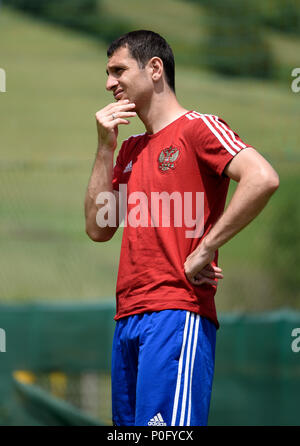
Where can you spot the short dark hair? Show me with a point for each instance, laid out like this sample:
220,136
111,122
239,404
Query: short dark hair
142,46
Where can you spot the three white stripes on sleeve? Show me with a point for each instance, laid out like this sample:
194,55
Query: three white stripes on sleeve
222,132
188,352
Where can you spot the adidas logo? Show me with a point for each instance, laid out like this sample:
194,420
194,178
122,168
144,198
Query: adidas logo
157,421
128,168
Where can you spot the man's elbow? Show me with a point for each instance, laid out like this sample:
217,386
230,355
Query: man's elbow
270,181
273,182
98,236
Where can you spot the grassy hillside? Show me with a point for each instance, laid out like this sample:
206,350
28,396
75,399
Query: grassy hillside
55,84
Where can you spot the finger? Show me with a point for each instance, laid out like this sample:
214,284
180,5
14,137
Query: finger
211,274
112,120
216,276
119,121
201,276
118,114
203,281
211,267
122,115
114,108
205,272
217,269
124,107
113,105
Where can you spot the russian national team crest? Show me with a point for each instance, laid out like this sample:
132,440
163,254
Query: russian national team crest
167,158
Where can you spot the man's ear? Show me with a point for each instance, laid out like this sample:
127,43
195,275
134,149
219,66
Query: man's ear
156,66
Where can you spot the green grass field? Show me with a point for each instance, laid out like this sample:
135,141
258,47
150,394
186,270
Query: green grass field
55,84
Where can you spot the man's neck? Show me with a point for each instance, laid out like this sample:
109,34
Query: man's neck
160,112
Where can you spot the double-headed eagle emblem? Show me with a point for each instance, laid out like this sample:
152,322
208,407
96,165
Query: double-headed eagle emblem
167,158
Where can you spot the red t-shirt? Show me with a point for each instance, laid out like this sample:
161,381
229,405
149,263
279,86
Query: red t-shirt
186,157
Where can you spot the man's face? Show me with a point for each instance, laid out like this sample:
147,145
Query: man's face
126,80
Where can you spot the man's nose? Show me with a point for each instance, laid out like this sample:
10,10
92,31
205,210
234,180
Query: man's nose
111,83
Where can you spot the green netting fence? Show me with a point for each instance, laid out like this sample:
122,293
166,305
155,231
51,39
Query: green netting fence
55,366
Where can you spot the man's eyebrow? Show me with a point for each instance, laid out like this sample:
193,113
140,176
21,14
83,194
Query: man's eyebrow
115,67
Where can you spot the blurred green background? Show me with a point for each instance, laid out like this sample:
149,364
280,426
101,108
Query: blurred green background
56,83
234,59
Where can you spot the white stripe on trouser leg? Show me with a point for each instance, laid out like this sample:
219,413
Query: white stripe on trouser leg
192,368
177,391
186,372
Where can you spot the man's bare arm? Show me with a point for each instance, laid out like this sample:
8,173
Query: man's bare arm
100,181
257,181
107,121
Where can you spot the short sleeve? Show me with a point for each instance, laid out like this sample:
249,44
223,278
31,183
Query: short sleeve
118,169
215,142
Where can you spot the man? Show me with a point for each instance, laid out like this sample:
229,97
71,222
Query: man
164,343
